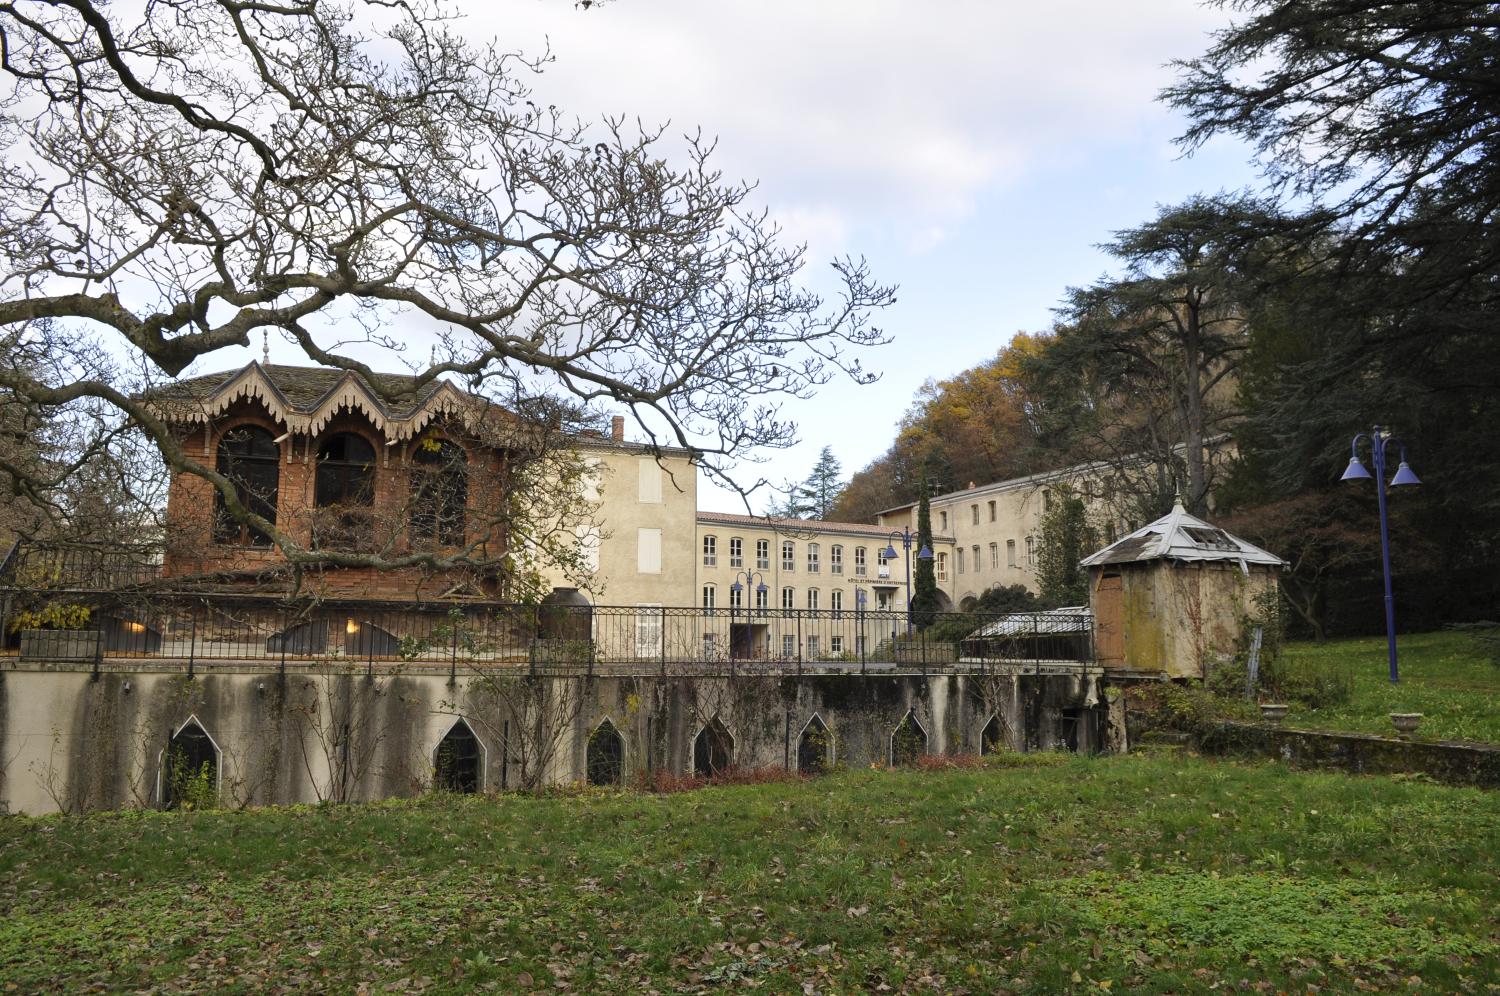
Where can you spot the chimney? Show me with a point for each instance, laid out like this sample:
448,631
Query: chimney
617,428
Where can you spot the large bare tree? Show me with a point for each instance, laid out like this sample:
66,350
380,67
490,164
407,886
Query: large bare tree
179,176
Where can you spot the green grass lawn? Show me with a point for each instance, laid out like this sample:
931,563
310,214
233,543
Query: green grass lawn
1446,676
1035,873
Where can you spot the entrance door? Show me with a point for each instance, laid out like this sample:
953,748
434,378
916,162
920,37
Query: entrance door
1109,620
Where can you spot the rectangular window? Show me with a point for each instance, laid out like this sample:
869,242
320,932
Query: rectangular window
788,556
978,563
1031,551
960,560
943,520
650,480
812,599
648,629
992,511
880,560
788,598
836,601
995,556
812,558
710,596
788,646
763,554
708,646
836,644
812,645
648,551
859,561
736,597
975,510
736,552
942,567
710,551
1010,553
835,559
762,599
588,546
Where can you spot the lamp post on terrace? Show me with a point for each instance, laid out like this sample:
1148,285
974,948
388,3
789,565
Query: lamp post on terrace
889,553
859,625
742,582
1380,441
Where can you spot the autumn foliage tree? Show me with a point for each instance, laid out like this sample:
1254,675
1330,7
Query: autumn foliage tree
976,426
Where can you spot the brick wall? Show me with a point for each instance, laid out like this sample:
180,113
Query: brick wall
191,501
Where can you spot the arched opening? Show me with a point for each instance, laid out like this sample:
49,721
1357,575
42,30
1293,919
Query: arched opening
458,762
992,737
363,638
309,637
130,636
439,492
713,749
190,769
908,741
344,493
606,755
250,458
814,748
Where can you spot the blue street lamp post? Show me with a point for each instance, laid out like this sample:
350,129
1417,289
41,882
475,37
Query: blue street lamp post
889,553
742,582
1380,442
859,625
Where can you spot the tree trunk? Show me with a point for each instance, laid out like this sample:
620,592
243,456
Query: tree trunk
1192,437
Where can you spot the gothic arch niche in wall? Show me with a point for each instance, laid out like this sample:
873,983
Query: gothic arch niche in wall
458,762
190,768
814,748
908,740
605,756
713,749
992,737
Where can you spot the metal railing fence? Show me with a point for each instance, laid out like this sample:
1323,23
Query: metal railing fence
203,630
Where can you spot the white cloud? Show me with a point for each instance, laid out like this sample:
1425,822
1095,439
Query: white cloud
866,116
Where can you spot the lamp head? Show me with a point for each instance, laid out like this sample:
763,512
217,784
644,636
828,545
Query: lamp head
925,553
761,588
1355,471
736,587
889,553
1404,476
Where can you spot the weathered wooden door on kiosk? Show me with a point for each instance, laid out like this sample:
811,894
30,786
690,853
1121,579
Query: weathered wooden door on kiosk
1109,620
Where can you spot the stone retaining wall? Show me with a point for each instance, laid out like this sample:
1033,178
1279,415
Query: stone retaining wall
1362,753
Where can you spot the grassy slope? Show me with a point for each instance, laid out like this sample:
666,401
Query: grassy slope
1039,873
1445,676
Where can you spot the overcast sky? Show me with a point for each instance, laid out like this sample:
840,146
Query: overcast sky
975,152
